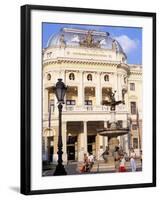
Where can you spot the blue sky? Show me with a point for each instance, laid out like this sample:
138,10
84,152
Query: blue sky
130,38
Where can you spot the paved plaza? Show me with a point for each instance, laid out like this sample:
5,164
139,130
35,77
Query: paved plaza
73,168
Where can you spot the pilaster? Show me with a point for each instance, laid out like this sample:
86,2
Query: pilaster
80,90
98,90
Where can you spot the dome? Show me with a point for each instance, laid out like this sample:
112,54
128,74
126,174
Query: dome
85,38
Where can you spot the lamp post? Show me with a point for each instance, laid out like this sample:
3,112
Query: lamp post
60,93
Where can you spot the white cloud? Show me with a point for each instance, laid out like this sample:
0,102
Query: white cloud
127,43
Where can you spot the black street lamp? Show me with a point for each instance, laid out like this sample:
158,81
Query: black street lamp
60,93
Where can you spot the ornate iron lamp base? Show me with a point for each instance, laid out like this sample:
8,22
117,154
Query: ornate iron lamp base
60,171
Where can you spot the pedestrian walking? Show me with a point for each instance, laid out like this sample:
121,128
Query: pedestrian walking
122,167
116,158
132,160
91,161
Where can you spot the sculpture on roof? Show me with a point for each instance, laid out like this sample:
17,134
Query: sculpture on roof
62,41
114,46
89,41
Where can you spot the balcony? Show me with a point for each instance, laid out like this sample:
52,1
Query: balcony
83,110
87,108
69,108
93,108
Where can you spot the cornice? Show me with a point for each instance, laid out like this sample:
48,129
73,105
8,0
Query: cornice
123,66
80,61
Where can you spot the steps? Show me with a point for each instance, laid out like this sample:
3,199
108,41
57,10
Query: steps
101,166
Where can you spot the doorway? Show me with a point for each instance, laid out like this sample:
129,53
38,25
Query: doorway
50,148
71,152
91,143
71,147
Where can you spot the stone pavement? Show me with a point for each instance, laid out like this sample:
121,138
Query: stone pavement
73,168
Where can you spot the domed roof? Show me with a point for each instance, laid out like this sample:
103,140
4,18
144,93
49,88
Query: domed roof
84,38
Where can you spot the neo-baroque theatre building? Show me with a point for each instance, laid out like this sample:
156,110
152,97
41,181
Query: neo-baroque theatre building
89,63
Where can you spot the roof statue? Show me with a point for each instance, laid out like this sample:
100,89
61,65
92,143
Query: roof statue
89,42
62,41
70,37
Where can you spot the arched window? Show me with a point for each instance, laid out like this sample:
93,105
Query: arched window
48,77
71,76
106,77
89,77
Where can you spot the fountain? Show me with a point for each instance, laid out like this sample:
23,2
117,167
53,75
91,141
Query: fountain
113,131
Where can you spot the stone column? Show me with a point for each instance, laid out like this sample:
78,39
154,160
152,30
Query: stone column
85,136
64,140
99,147
82,142
98,91
125,138
119,87
80,102
79,147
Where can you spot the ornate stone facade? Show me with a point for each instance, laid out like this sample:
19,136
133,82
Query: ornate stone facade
88,71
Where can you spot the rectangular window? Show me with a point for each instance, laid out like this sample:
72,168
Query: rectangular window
88,102
135,143
132,86
133,108
70,102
